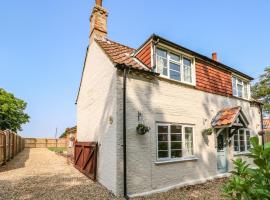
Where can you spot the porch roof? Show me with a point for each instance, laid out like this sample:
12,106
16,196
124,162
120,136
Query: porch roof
229,117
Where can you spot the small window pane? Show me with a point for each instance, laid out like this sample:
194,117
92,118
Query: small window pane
248,139
176,153
188,129
241,135
162,129
162,65
234,86
187,74
174,57
240,90
162,53
189,140
187,62
189,145
176,129
236,142
245,91
162,137
176,145
188,137
175,75
242,146
236,146
174,66
176,137
163,146
187,70
163,154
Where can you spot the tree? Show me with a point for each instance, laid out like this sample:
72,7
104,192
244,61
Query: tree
12,115
261,90
249,182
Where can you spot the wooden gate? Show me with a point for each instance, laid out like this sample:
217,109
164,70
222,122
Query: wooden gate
85,159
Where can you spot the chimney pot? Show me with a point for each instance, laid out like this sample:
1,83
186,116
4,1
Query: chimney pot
99,3
214,56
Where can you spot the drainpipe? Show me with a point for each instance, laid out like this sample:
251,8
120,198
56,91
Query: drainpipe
262,132
124,133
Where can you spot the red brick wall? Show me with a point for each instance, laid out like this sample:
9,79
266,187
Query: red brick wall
144,55
213,80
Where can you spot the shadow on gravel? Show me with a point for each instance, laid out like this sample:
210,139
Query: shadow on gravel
62,186
69,187
17,162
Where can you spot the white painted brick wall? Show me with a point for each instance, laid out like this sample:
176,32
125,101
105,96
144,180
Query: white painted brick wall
165,101
96,104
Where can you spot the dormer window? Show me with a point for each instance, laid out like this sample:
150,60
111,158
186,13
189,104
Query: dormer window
175,66
241,88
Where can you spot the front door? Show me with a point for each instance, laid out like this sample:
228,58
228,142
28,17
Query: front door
221,152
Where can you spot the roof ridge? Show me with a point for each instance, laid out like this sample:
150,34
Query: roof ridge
107,39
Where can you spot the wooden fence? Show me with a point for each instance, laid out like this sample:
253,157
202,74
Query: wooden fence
10,145
45,143
267,136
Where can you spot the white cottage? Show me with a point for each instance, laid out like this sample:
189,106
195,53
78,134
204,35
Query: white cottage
163,115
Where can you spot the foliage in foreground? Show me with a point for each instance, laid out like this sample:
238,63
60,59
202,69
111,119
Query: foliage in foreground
12,115
261,90
251,183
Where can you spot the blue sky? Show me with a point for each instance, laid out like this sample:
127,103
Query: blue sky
43,44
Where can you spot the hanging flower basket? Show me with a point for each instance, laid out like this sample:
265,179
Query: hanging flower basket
208,131
142,129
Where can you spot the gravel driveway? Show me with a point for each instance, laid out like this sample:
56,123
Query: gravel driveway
41,174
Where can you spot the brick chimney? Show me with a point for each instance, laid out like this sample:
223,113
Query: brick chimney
214,56
98,22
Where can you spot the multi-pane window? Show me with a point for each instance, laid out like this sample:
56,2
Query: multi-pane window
174,66
241,140
174,141
240,88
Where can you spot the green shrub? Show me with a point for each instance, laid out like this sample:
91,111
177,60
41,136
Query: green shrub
251,183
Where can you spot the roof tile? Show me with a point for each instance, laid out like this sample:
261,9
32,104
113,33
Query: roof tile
120,54
226,116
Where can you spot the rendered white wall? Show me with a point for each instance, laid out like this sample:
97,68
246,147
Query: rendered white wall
95,107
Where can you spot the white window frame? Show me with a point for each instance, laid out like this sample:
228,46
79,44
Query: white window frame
240,81
184,149
182,56
245,140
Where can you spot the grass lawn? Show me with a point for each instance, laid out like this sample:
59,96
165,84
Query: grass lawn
58,149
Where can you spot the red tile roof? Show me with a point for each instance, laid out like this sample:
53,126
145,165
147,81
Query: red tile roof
226,116
121,54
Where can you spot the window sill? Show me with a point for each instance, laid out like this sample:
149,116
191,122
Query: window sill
193,158
242,98
244,153
176,81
